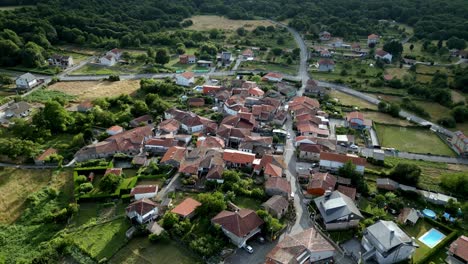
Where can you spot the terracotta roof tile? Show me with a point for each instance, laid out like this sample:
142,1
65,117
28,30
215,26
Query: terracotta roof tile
142,189
239,223
342,158
186,207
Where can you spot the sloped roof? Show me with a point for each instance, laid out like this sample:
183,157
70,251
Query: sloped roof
342,158
174,153
239,223
186,207
46,154
239,157
277,203
141,189
335,206
459,247
188,75
387,234
28,77
348,191
324,181
278,183
141,207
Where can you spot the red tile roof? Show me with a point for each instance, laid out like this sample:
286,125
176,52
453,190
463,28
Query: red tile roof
238,157
381,52
373,36
238,223
116,171
141,189
46,154
273,75
314,148
210,89
186,207
169,125
273,170
348,191
355,115
174,153
326,62
115,128
256,91
342,158
188,75
210,142
460,247
278,183
324,181
141,207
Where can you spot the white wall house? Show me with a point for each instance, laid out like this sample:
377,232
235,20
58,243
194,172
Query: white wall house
142,211
333,161
26,81
108,60
185,79
144,191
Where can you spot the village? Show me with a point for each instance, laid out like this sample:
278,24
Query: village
232,164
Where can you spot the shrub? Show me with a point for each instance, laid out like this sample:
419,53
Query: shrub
86,187
110,182
164,236
81,179
113,78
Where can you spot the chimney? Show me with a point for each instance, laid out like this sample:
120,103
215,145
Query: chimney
327,194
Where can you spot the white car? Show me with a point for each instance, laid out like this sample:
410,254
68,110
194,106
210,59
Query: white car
248,249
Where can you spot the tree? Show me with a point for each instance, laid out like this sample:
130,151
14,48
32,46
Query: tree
162,56
460,113
57,118
452,206
139,108
348,170
32,55
393,47
169,220
394,109
411,47
272,225
110,182
241,31
406,173
447,122
212,203
85,187
455,182
456,43
9,52
150,52
440,44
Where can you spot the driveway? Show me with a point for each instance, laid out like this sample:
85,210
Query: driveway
241,256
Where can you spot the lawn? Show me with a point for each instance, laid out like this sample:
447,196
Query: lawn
269,67
398,73
96,89
246,202
419,229
435,110
346,99
207,22
96,69
45,95
385,118
141,250
412,139
46,70
102,241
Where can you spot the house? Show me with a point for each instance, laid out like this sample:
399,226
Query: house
196,102
458,251
326,65
278,186
116,53
310,152
143,120
26,81
463,54
60,61
460,142
108,60
383,55
271,165
142,211
236,158
338,211
187,59
325,36
287,90
408,215
114,130
238,226
372,39
160,145
273,77
387,184
336,43
384,242
312,88
225,57
168,127
41,159
325,53
129,142
356,120
346,190
210,142
85,106
191,122
356,47
333,161
306,128
211,89
173,156
215,174
115,171
185,79
303,104
204,63
140,160
256,92
18,110
320,183
308,246
248,54
186,209
144,191
277,206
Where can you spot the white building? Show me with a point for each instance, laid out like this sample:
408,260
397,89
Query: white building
108,60
142,211
383,55
26,81
338,211
385,243
333,161
185,79
144,191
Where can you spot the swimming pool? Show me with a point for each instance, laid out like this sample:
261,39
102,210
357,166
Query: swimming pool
432,237
429,213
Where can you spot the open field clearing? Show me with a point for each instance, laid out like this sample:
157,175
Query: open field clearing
141,250
412,139
218,22
385,118
398,73
18,184
457,96
346,99
96,89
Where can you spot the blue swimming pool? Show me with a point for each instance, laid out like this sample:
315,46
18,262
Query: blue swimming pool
429,213
432,237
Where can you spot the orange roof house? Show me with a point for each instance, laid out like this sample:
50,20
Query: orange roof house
186,209
320,183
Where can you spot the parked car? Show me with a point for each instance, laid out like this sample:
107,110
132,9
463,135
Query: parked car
248,249
261,239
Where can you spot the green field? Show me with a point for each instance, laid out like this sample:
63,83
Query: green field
95,69
269,67
412,139
346,99
141,250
